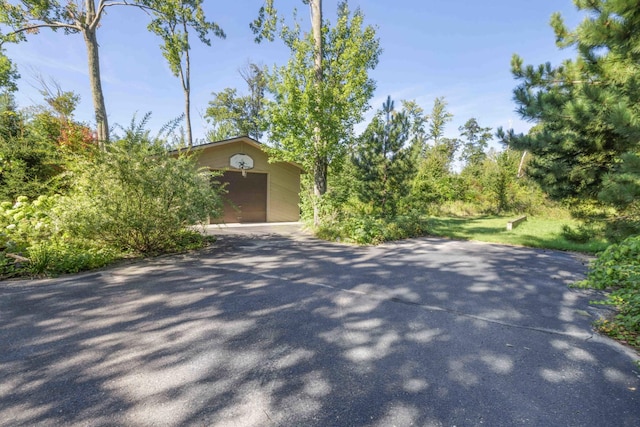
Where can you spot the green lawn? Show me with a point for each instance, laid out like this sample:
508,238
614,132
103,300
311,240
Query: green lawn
537,232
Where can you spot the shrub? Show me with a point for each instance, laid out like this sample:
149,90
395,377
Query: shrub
618,269
30,231
369,230
581,233
67,256
25,222
138,197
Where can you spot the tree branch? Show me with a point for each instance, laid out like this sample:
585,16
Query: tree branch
186,80
575,82
52,25
106,3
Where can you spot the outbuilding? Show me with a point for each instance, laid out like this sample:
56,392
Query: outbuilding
257,191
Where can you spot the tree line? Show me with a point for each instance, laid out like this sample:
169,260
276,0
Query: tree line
582,151
172,20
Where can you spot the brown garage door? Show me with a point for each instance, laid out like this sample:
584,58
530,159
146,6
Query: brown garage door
246,200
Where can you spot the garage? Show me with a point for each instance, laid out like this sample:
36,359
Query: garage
246,200
257,190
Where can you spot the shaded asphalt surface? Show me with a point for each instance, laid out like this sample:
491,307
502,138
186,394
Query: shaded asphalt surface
278,328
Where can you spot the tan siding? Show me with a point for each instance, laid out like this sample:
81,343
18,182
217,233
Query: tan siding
283,182
218,157
284,197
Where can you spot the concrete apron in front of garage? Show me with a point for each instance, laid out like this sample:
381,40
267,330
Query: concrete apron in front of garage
288,229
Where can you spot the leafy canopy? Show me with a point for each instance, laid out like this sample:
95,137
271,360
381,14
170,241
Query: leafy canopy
333,105
232,114
172,20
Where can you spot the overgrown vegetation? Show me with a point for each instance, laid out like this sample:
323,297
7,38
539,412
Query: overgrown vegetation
71,207
617,270
74,198
137,198
34,242
401,171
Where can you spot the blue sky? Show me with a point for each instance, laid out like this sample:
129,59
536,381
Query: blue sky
458,49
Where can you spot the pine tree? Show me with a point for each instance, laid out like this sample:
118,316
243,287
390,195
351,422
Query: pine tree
475,142
587,143
434,181
383,161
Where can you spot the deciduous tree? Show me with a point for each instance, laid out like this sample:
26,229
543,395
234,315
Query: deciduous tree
8,74
418,121
29,16
172,21
433,181
324,89
475,140
232,114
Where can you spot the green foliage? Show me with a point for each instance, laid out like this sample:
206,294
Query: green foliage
315,109
8,74
383,163
434,182
439,117
233,115
366,229
172,20
137,197
617,269
64,255
621,189
501,181
588,112
30,230
36,145
418,133
27,167
582,233
25,222
474,144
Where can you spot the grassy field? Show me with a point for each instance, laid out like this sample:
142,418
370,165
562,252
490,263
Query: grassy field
537,232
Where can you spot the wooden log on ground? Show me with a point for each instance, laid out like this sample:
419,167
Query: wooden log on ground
513,224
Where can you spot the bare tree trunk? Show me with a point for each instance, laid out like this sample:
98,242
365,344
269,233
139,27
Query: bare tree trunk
102,126
254,77
320,163
186,86
93,57
316,28
187,117
521,164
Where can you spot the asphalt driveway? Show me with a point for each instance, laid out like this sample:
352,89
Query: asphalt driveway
270,328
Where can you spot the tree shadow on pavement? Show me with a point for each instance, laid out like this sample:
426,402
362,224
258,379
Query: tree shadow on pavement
277,330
